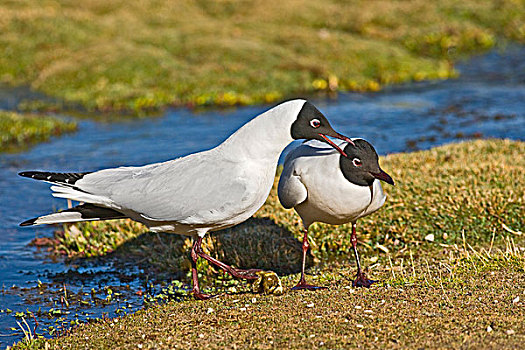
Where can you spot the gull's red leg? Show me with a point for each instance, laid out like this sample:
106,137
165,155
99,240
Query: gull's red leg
197,294
361,280
237,273
302,282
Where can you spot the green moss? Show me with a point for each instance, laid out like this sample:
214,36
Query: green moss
121,56
19,131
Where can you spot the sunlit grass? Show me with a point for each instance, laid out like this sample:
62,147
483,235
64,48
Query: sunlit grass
19,131
117,55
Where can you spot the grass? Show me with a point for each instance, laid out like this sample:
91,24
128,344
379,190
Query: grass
463,288
441,306
19,131
139,56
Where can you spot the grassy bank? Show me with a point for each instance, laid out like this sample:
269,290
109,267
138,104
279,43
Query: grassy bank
448,248
144,55
439,308
19,131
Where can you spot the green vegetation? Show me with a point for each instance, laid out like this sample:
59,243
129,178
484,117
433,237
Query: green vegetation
18,131
117,55
448,248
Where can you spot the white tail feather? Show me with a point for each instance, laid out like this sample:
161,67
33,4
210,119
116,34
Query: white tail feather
79,196
61,218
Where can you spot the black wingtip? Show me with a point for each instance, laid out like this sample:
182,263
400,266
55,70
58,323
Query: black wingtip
29,222
26,173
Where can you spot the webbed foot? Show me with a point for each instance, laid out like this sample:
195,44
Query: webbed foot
362,281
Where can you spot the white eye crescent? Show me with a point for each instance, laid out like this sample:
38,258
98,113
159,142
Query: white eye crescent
315,123
357,162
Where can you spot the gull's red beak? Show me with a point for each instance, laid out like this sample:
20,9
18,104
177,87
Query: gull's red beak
339,136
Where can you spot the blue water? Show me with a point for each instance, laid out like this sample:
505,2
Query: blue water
487,101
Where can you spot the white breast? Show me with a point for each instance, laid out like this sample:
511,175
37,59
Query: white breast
331,198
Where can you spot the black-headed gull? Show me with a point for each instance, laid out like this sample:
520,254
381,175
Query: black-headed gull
325,186
198,193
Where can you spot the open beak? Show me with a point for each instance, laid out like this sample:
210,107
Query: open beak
381,175
339,136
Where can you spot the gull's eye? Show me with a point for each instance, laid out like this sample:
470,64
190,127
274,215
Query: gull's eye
357,162
315,123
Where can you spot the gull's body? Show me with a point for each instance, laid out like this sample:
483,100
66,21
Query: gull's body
195,194
324,186
192,195
313,183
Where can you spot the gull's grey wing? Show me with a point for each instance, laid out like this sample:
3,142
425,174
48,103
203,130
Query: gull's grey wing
291,190
186,190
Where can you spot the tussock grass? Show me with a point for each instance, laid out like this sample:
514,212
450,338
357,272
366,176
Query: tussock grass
143,55
19,131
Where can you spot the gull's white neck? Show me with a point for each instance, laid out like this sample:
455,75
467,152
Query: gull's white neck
265,136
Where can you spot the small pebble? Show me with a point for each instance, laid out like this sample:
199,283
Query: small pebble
358,307
489,329
310,305
511,332
368,311
430,237
312,335
359,326
242,309
516,300
210,310
254,300
201,335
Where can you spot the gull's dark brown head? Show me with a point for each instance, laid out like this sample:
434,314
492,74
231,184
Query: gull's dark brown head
312,124
361,164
